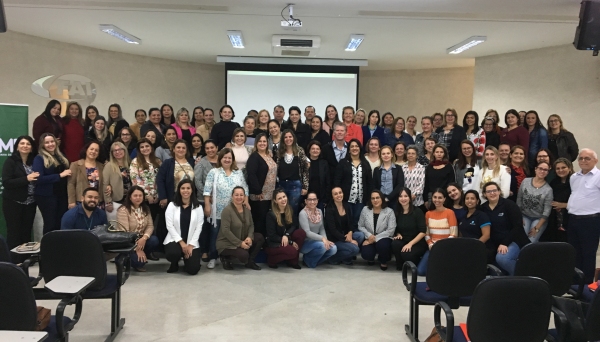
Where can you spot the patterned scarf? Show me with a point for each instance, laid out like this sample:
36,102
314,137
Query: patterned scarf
314,216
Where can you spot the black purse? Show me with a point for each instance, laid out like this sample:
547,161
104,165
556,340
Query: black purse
112,238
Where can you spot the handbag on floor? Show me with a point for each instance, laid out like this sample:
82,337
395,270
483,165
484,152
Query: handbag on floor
43,318
434,336
112,238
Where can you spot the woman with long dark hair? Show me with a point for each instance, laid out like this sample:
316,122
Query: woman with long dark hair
519,169
538,135
209,121
128,138
91,112
514,134
134,216
301,130
140,119
438,174
476,224
165,150
166,114
197,119
274,138
100,134
398,134
377,222
87,172
184,219
535,200
341,229
18,205
466,167
387,122
317,132
561,191
222,131
73,131
492,138
331,116
561,142
373,155
284,239
48,122
197,148
409,237
475,134
353,174
316,248
50,192
372,128
262,179
292,170
451,134
143,171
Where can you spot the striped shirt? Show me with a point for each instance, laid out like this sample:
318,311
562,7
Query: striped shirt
440,225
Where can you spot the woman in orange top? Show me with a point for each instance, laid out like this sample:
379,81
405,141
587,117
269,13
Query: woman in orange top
441,224
353,131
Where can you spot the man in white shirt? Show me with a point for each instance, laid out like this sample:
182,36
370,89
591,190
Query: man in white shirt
584,210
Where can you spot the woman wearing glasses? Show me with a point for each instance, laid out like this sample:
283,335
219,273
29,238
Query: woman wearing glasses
535,200
507,234
561,142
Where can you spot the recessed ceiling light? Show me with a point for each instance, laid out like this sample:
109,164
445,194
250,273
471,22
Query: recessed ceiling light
120,34
354,42
466,44
235,37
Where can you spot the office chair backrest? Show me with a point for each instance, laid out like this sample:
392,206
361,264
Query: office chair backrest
552,261
73,253
17,302
4,251
592,321
456,266
515,309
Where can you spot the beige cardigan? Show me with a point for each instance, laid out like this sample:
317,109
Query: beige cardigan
78,181
115,180
128,222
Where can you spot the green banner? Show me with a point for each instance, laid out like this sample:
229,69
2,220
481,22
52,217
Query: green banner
13,123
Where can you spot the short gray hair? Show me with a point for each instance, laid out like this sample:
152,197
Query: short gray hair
339,123
589,150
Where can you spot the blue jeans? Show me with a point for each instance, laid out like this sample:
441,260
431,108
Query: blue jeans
214,231
356,209
314,252
508,261
151,245
529,223
346,250
422,267
293,191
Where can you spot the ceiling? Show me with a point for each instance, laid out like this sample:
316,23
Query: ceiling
399,34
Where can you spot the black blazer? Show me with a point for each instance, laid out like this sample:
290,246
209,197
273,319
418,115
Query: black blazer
333,223
165,179
256,168
328,154
458,135
275,232
119,126
492,139
323,137
324,187
14,179
398,179
302,132
104,153
343,178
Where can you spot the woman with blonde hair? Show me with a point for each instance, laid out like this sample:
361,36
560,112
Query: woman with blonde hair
182,126
492,171
209,121
117,179
50,192
262,122
359,117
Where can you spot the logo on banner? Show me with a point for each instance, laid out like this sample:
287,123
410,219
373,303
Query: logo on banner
69,87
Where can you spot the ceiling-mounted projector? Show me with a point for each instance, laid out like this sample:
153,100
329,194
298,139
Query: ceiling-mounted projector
290,23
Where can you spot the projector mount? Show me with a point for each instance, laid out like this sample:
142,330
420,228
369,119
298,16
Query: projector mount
291,22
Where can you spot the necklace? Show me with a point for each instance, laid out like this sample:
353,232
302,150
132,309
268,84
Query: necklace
288,158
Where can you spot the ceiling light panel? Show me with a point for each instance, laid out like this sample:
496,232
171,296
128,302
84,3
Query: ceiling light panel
466,44
235,37
354,42
120,34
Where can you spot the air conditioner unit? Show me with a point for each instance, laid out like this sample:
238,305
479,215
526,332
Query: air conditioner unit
296,46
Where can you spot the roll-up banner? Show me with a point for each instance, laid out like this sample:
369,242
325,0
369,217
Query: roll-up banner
13,124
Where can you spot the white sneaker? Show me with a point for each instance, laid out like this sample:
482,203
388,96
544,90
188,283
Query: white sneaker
211,264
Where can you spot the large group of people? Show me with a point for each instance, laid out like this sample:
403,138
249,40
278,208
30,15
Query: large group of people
329,188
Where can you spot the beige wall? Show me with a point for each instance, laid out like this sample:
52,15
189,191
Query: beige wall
132,81
416,92
557,80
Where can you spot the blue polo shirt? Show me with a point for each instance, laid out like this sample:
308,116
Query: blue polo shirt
75,218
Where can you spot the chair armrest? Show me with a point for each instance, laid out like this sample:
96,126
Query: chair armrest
494,271
578,279
25,266
448,333
123,266
68,285
563,324
36,281
62,329
409,265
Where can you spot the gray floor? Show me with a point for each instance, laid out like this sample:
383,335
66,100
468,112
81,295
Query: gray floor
330,303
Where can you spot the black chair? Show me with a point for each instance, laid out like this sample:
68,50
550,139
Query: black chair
589,321
18,309
555,263
6,257
455,268
80,253
515,309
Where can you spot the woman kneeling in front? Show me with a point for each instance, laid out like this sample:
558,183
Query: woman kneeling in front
134,216
236,238
283,237
184,217
378,223
316,248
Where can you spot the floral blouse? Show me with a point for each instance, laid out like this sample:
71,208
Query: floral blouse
415,180
145,178
224,187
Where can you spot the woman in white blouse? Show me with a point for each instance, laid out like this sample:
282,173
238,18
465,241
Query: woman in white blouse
184,219
492,171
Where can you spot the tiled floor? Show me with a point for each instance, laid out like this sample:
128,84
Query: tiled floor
330,303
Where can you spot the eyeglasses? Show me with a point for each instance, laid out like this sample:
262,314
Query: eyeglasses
491,191
553,121
311,199
542,156
542,169
125,134
587,159
118,150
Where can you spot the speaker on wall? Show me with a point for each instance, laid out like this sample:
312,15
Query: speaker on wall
587,35
2,17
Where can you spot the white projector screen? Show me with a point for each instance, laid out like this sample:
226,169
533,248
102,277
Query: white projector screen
258,90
